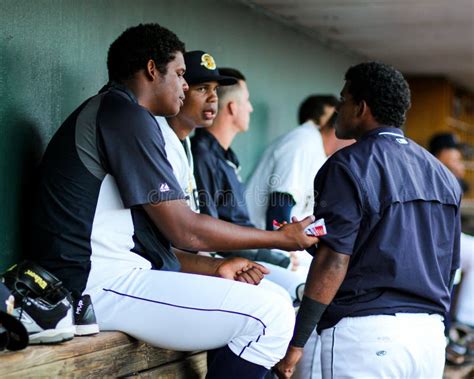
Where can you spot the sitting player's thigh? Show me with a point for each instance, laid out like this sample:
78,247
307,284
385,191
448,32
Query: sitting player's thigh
189,312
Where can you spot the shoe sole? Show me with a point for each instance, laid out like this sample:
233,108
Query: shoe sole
52,336
86,330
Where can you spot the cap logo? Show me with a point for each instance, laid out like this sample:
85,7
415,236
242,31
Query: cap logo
208,62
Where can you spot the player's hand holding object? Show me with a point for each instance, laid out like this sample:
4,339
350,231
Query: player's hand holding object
301,234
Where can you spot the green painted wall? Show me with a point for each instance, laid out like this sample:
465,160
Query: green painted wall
53,57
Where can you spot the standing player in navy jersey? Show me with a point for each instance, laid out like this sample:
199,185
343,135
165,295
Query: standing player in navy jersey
380,279
110,207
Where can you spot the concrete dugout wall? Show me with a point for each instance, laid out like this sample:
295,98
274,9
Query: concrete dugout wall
53,54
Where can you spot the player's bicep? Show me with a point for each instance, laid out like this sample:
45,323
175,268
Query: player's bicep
339,201
173,218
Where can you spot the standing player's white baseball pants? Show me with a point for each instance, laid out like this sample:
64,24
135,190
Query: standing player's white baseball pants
405,345
194,312
309,367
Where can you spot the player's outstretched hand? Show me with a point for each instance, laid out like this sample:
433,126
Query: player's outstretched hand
295,236
286,367
242,270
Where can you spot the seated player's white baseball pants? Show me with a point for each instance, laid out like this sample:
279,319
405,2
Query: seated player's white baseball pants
405,345
193,312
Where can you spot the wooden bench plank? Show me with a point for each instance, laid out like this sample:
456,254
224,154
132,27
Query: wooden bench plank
108,354
192,367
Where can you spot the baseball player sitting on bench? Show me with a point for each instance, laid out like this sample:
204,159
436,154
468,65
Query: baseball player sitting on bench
109,207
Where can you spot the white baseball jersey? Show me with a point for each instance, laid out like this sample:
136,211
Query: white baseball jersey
179,155
465,303
289,165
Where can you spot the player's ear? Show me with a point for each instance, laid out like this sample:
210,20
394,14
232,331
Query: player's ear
151,71
362,109
232,108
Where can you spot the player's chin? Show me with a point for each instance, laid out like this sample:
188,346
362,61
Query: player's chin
206,123
170,111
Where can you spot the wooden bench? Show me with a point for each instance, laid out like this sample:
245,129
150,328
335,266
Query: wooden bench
108,354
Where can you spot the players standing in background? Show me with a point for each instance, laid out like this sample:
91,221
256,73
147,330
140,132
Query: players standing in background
447,149
282,184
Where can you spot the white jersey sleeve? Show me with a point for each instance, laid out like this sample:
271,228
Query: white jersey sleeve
181,159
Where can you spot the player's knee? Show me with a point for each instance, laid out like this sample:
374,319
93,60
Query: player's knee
282,320
287,318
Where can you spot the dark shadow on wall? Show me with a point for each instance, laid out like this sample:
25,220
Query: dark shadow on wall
21,152
30,112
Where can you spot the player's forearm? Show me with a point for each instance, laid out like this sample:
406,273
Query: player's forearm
197,264
209,234
326,274
191,231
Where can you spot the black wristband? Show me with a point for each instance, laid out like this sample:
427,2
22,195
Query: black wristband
308,316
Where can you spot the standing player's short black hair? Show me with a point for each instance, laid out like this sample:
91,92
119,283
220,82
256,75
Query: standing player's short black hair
383,88
313,107
234,73
132,50
442,141
225,93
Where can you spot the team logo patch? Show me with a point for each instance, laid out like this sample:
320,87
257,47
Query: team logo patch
402,141
208,62
164,187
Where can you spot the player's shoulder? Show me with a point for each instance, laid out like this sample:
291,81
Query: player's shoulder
124,104
119,111
303,133
298,143
202,152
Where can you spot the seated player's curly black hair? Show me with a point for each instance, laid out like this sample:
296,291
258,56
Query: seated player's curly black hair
384,90
132,50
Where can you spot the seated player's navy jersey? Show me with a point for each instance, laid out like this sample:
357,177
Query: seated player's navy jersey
221,192
103,163
390,205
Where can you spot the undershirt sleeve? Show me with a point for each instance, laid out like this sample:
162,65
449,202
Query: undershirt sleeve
279,208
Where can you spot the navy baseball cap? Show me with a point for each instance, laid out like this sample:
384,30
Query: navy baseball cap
13,334
201,67
443,141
